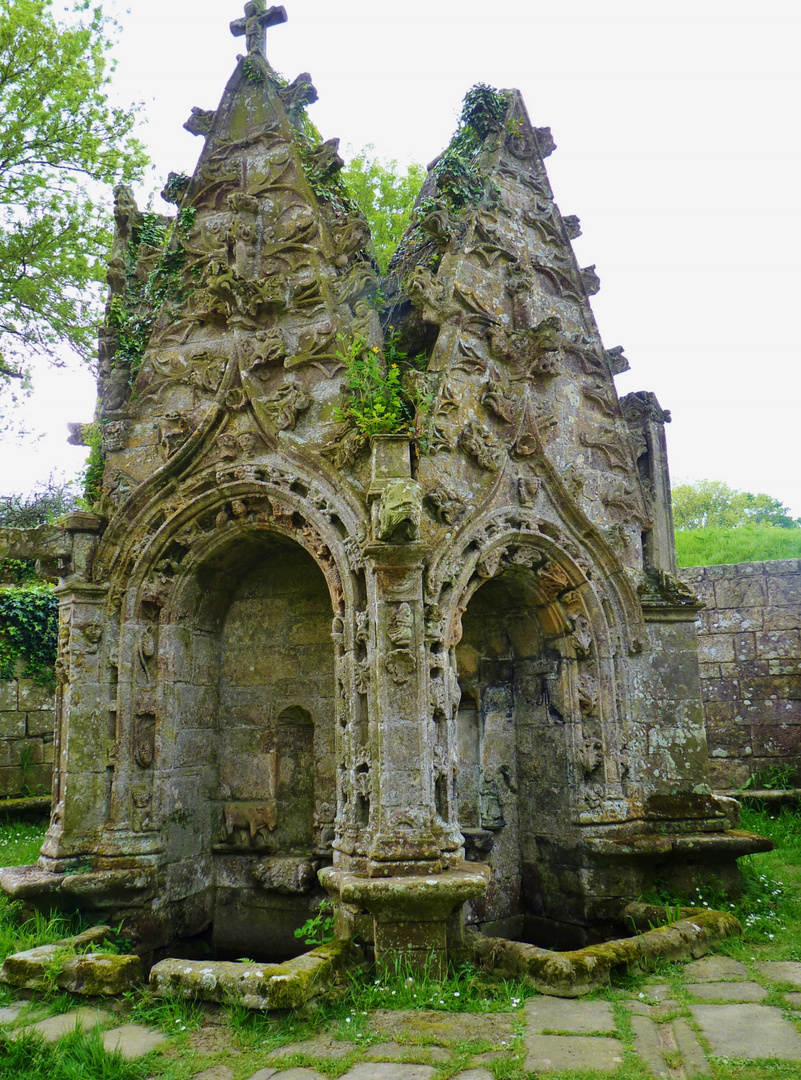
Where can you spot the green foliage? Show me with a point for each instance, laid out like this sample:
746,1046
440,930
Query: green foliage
46,502
132,315
95,464
713,504
319,928
28,632
746,543
379,403
385,195
61,140
457,173
772,778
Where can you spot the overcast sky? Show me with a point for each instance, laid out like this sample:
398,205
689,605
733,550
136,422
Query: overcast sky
677,132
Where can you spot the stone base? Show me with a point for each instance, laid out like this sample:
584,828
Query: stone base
410,914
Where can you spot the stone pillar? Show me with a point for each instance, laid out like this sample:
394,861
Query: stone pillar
646,420
404,888
83,739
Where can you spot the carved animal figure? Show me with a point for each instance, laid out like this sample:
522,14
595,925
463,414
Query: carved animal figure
253,818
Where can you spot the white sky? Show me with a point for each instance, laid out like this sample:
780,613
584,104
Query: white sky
677,131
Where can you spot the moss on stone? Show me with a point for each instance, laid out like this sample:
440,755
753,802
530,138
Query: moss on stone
571,974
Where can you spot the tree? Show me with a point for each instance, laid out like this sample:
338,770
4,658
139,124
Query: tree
385,195
60,140
713,504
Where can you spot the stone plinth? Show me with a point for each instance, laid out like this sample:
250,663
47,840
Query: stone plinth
410,913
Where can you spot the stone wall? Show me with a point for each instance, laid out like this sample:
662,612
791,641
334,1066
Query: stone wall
750,652
26,738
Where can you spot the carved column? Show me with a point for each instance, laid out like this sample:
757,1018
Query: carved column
83,742
404,888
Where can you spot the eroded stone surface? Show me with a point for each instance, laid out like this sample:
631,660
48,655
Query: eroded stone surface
134,1041
552,1053
53,1027
441,1028
715,969
727,991
748,1031
320,1046
400,1052
781,971
562,1014
648,1045
390,1071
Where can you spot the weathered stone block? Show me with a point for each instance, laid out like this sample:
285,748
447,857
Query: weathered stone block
12,725
34,697
778,644
741,591
25,752
12,781
720,690
784,590
9,699
715,648
40,724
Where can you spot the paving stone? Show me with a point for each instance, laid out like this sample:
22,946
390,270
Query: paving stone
665,1009
658,991
727,991
9,1013
648,1045
748,1031
321,1046
474,1074
216,1072
397,1051
489,1056
793,999
568,1014
264,1074
441,1029
692,1053
782,971
552,1053
300,1074
52,1028
715,969
638,1008
387,1070
134,1041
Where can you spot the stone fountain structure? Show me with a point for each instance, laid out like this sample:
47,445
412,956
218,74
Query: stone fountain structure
447,670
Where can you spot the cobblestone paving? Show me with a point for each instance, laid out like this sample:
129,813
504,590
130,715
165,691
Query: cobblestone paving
722,1014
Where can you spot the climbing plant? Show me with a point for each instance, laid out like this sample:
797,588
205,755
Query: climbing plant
28,632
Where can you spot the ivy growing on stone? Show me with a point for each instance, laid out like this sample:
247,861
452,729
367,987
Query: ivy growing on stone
28,632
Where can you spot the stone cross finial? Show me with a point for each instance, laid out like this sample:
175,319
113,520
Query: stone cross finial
254,24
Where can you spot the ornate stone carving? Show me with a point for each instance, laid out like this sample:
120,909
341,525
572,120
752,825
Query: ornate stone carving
248,822
200,121
482,446
399,511
284,406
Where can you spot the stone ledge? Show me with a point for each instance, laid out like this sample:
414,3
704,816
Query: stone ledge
730,845
262,987
571,974
93,974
